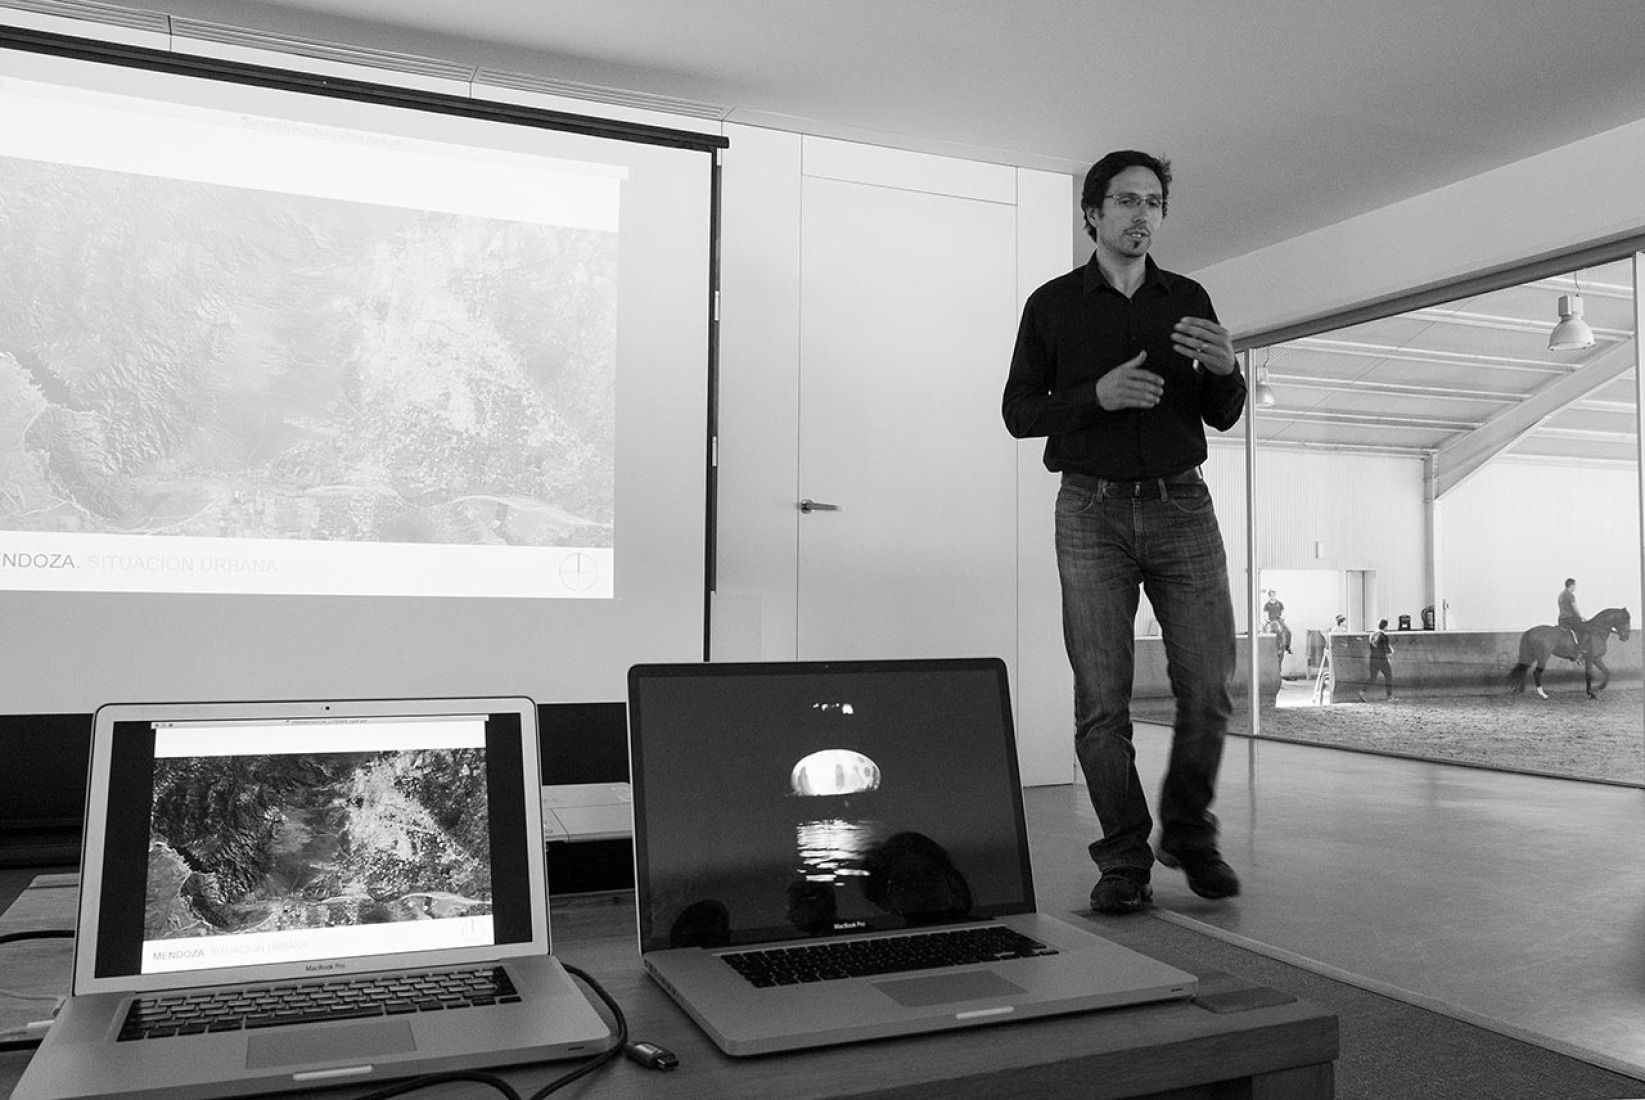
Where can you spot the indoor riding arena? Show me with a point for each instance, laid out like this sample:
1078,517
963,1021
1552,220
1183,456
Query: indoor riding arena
1455,704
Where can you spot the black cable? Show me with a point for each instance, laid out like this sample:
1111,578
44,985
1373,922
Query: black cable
400,1088
39,934
594,1063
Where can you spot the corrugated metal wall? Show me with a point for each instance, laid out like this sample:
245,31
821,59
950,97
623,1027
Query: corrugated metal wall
1514,531
1508,537
1320,509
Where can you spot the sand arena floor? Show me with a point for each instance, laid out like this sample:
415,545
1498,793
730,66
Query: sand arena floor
1566,735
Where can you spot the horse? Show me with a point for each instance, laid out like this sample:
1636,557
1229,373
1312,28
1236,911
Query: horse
1539,643
1282,639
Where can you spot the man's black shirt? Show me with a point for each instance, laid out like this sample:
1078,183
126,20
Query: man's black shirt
1078,327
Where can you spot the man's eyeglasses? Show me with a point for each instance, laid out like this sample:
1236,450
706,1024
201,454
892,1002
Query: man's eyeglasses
1130,200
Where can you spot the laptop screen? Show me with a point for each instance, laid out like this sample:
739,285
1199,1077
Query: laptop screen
782,800
312,840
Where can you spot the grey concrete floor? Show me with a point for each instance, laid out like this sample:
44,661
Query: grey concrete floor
1511,901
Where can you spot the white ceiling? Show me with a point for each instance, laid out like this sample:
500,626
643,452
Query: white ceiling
1467,381
1280,115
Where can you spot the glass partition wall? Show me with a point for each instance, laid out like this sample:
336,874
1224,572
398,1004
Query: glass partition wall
1426,483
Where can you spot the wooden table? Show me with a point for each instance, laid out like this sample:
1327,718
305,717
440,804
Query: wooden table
1176,1050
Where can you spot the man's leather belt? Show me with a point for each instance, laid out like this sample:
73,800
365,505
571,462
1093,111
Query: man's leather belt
1145,487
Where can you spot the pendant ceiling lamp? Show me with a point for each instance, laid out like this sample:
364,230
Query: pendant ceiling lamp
1572,333
1264,392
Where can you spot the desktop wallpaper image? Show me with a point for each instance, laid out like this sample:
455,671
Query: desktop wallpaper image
860,807
245,844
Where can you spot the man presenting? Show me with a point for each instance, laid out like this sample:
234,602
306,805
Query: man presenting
1120,364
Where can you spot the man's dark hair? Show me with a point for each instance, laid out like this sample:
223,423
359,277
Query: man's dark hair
1569,581
1103,172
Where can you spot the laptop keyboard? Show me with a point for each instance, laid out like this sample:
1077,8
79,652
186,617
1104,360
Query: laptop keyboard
315,1002
823,962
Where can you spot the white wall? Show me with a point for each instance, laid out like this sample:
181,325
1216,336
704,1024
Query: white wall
754,614
1514,531
761,314
1365,511
1224,472
1325,510
1045,684
1508,537
754,607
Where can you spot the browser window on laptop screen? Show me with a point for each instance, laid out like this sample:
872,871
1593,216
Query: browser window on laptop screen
245,843
810,804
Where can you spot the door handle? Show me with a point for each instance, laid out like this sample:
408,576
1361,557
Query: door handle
808,506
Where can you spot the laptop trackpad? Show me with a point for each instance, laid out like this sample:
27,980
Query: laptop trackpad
315,1044
966,985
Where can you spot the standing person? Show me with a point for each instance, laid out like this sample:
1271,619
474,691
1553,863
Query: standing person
1339,626
1381,649
1120,365
1569,617
1325,683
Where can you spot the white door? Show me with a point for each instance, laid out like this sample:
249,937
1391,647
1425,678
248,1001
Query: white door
906,330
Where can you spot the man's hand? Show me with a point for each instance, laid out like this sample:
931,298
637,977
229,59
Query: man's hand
1129,386
1207,341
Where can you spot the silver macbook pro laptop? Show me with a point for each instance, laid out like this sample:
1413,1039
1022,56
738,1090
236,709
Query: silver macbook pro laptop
294,894
833,852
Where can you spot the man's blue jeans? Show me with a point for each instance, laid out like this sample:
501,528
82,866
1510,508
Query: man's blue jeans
1111,539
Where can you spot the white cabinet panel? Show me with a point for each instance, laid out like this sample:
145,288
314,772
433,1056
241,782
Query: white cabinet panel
907,320
753,603
851,162
1044,684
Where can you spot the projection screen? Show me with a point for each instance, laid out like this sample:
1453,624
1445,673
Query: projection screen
313,388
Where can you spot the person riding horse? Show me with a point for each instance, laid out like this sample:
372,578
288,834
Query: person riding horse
1570,618
1540,643
1276,624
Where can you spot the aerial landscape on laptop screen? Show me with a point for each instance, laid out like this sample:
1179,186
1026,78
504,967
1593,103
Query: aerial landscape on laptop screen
272,857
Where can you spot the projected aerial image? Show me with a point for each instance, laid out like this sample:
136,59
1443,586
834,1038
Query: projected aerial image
247,844
204,360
